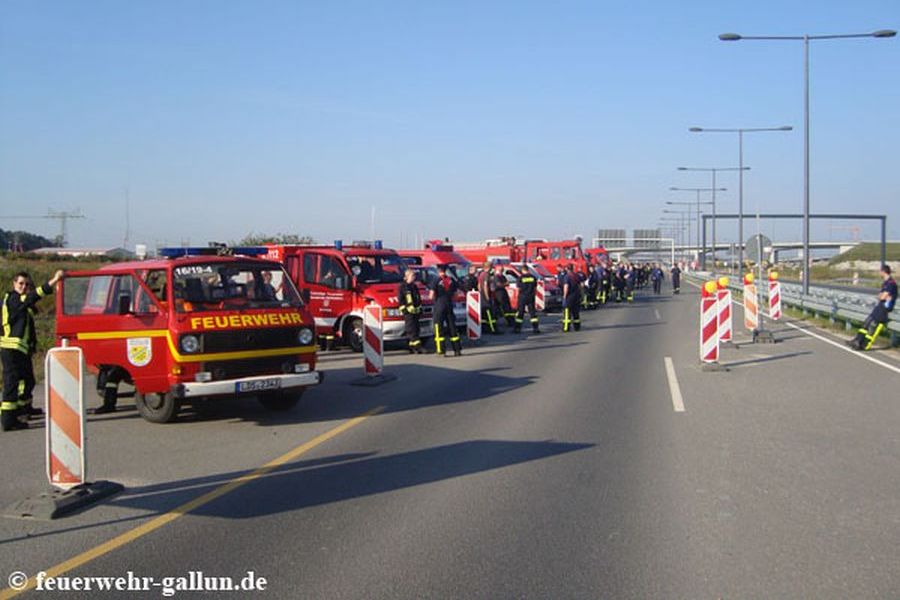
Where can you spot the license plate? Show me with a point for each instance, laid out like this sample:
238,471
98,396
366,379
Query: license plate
258,385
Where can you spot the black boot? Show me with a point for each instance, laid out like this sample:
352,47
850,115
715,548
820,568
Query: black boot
31,411
457,348
9,421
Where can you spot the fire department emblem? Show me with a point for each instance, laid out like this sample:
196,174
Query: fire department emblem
139,351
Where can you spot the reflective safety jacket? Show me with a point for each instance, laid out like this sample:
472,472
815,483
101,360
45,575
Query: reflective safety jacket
410,300
18,319
527,285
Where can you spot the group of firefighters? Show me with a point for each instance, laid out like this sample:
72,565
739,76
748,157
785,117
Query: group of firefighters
601,284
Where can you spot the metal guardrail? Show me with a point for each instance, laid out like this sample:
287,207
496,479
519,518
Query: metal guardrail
836,305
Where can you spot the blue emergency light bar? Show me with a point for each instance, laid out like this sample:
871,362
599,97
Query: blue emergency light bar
213,251
338,244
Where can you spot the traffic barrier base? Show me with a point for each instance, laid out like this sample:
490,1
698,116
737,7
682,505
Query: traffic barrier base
58,503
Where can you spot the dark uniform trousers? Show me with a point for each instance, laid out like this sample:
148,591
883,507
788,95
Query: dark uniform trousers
526,301
445,326
572,311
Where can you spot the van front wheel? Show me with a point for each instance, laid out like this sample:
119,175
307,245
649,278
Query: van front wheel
355,334
156,408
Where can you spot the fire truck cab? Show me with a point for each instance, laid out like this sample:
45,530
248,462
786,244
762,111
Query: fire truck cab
338,281
554,254
195,324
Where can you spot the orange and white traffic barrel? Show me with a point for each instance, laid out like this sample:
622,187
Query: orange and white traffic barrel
723,298
473,315
709,324
774,296
373,340
751,306
540,302
64,391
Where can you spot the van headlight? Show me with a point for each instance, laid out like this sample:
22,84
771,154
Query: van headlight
305,337
392,312
190,343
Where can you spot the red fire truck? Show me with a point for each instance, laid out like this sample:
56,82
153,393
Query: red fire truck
338,281
551,254
193,325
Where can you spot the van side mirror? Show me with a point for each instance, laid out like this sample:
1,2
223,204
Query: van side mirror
124,306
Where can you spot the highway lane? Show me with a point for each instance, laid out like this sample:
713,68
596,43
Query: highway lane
553,466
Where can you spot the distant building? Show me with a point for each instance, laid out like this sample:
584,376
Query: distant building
114,253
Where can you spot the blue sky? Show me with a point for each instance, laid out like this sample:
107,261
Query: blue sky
460,119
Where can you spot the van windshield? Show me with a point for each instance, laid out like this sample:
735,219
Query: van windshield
212,286
377,269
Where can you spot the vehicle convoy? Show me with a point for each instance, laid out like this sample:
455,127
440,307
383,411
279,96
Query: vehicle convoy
551,254
337,281
193,325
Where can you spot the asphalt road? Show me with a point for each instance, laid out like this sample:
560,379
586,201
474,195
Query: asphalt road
551,466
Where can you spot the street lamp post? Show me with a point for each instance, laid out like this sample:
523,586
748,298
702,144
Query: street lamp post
700,255
740,131
714,170
733,37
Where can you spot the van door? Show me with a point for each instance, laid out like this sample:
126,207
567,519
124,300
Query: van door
328,282
117,321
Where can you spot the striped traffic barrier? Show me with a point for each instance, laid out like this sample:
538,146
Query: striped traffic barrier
709,327
540,302
64,392
64,443
473,315
373,348
373,340
723,299
774,296
751,308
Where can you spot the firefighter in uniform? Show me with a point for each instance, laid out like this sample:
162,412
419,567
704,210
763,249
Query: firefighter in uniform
878,318
571,301
470,281
593,287
442,291
488,314
676,279
604,283
527,287
411,308
501,296
17,345
656,275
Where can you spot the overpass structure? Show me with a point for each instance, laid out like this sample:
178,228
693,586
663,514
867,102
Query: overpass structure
882,219
693,249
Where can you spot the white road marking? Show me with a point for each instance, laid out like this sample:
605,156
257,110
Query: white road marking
837,345
677,401
656,312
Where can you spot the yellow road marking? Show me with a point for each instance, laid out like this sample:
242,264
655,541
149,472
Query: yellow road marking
165,519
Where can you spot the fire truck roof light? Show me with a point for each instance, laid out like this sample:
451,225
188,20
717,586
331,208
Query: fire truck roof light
338,244
379,245
217,251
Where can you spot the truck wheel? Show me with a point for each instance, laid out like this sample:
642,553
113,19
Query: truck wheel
354,334
281,401
156,408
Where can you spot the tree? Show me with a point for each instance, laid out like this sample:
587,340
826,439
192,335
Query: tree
258,239
22,241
